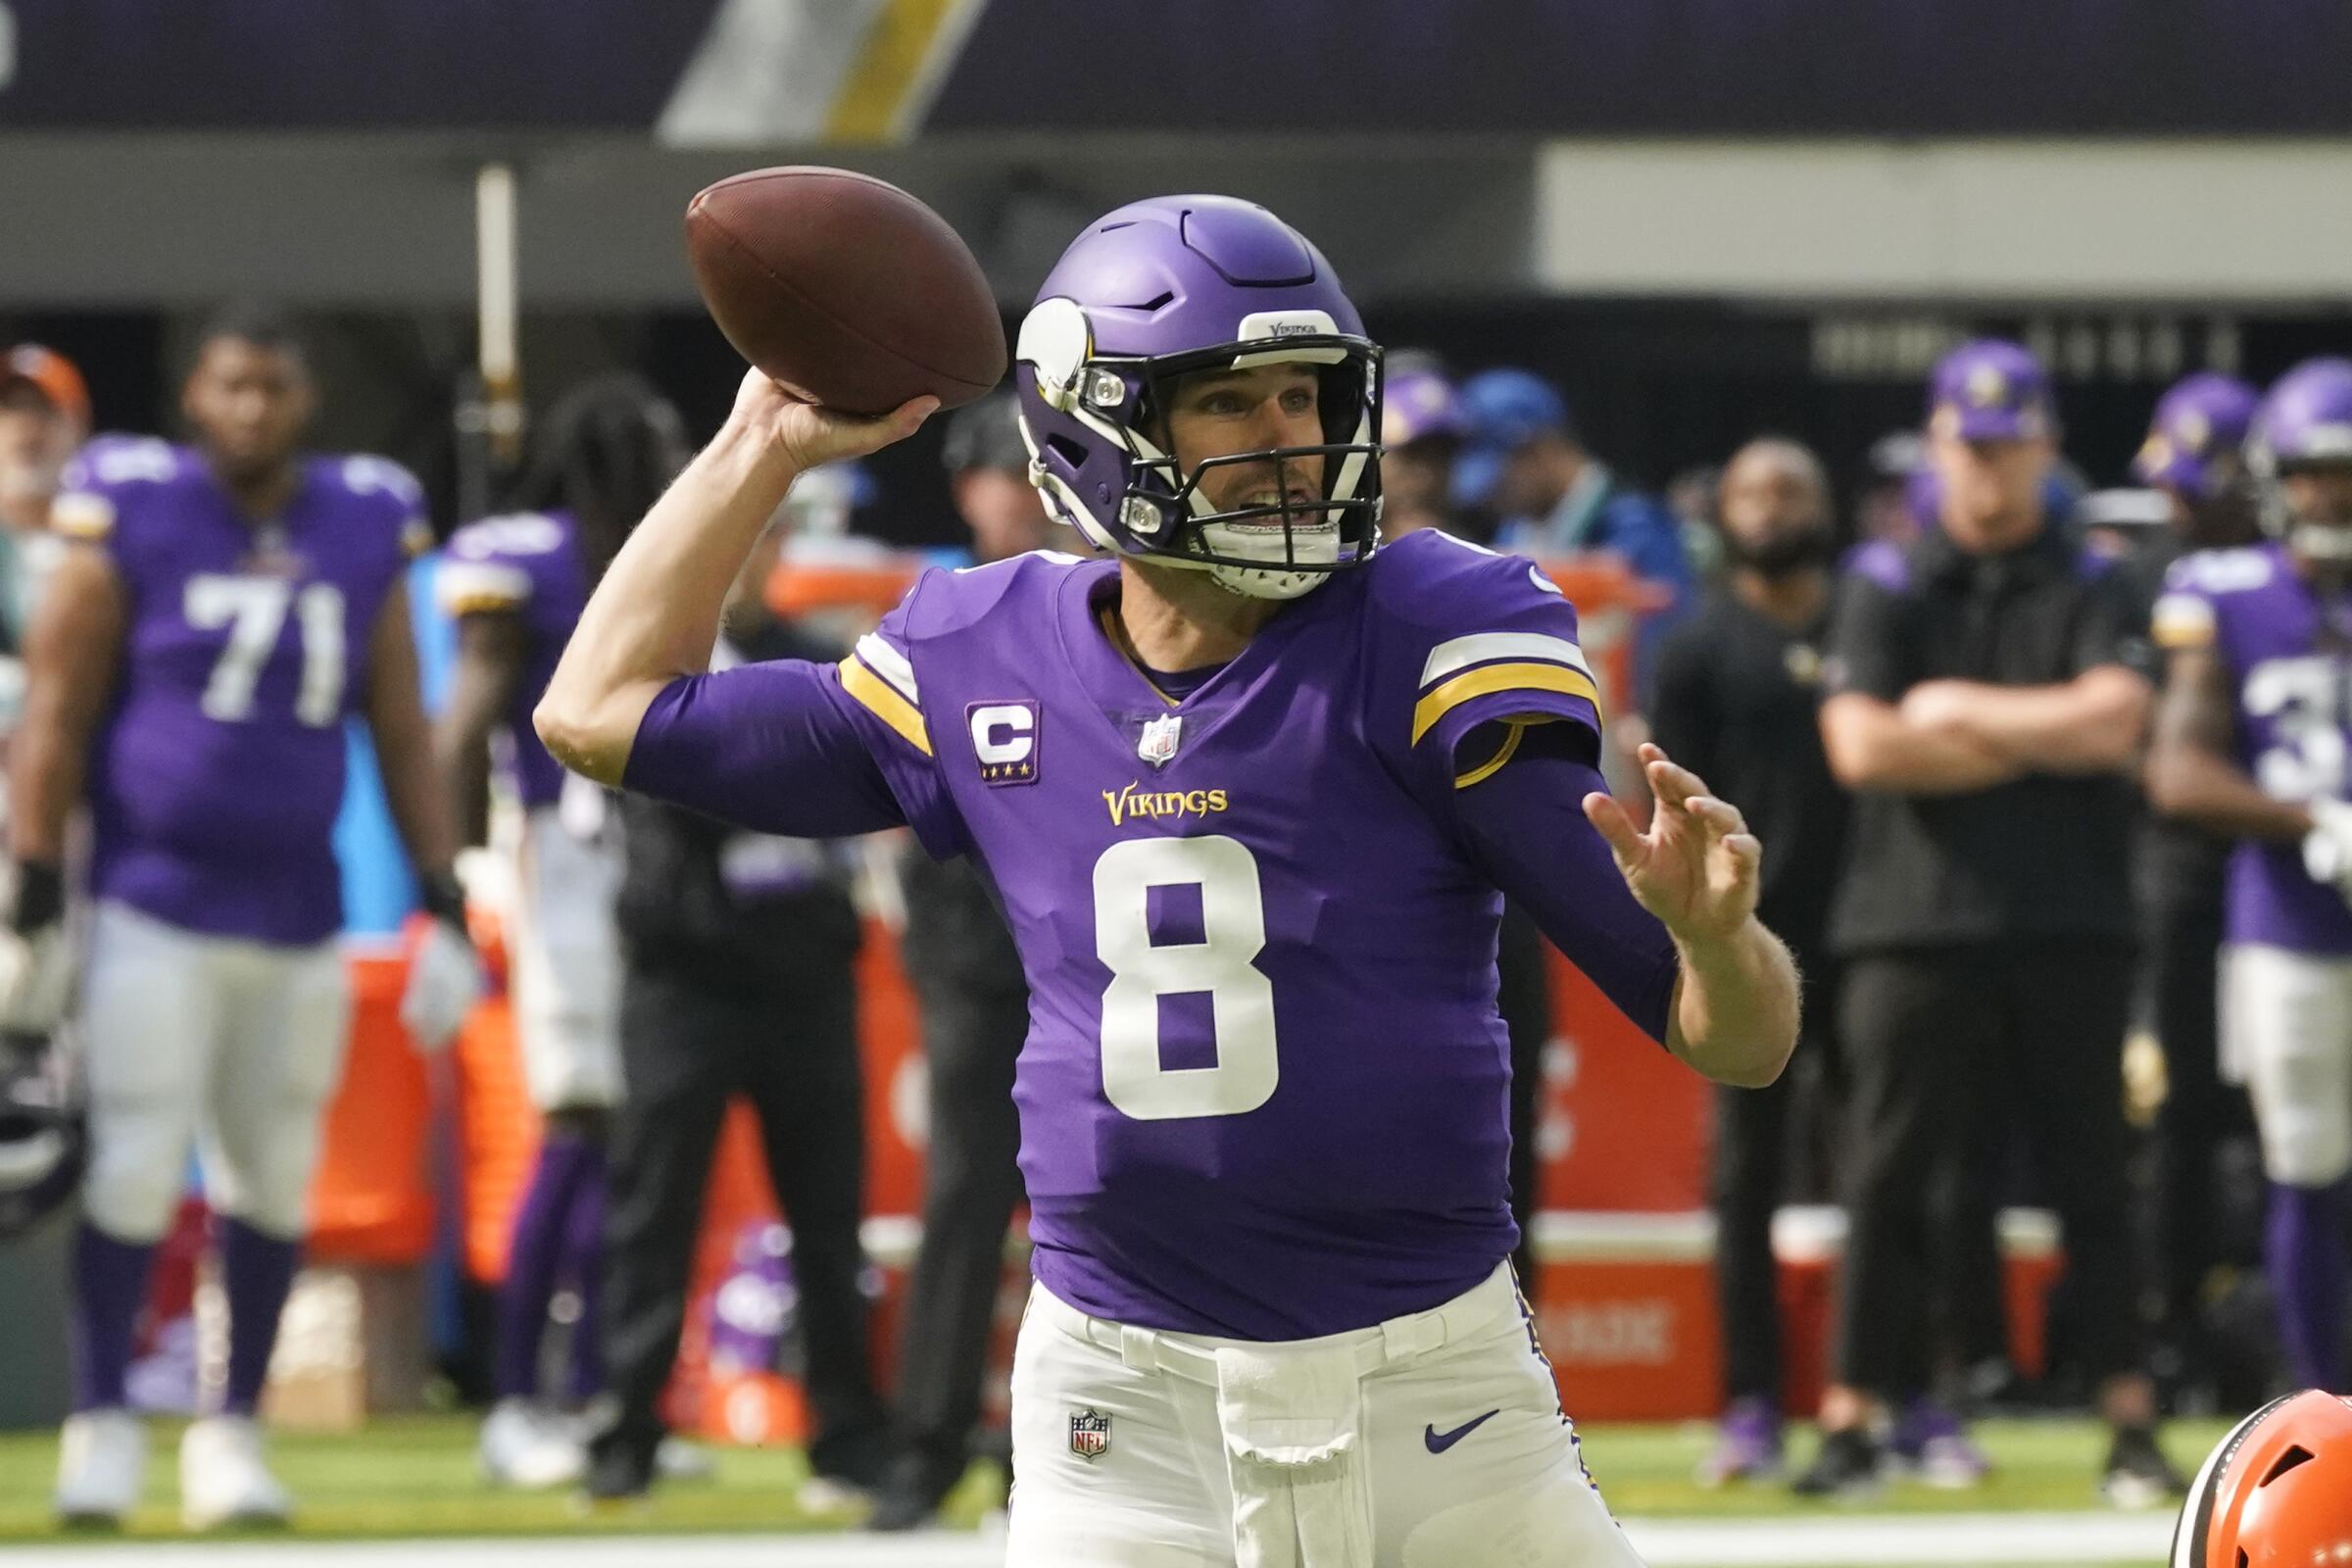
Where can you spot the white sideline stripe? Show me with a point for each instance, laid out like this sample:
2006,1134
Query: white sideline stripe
1923,1538
1882,1541
1486,646
889,663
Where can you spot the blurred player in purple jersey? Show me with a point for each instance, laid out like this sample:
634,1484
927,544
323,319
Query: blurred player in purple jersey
2252,741
1249,789
516,586
2193,458
226,608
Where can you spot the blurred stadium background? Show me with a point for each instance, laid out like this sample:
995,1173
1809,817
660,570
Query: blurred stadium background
1705,219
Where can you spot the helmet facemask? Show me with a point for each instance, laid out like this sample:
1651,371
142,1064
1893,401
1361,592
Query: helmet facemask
2324,542
1275,547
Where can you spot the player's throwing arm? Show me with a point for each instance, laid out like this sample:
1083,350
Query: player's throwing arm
656,614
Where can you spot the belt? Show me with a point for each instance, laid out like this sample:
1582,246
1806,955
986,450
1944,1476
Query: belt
1193,1358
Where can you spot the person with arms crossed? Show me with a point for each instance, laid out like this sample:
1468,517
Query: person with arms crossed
1247,790
224,609
516,584
1737,701
2251,742
1984,708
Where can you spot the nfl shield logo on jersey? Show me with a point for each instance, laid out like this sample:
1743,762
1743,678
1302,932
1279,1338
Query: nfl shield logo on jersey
1159,739
1090,1433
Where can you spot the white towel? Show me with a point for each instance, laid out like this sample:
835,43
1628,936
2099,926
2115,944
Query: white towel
1291,1419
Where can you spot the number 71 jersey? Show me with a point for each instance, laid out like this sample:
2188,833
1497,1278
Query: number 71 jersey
216,774
1264,1093
2264,623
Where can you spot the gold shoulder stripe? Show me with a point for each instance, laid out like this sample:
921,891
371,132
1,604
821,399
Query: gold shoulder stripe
887,705
82,514
480,602
1501,678
2183,621
1515,728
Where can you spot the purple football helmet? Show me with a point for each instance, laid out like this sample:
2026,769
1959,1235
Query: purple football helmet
2195,438
1177,284
43,1145
2305,421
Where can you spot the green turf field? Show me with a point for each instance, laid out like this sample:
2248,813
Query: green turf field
414,1476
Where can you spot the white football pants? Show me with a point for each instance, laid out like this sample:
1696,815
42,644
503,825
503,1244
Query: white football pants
228,1046
2286,1027
1433,1441
564,954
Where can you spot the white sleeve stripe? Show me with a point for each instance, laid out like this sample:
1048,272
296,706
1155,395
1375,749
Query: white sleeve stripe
889,663
480,579
1450,657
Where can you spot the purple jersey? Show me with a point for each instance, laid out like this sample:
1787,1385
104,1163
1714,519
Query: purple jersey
528,566
1264,1093
217,772
2294,729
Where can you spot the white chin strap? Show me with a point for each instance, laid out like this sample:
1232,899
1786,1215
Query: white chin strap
1317,543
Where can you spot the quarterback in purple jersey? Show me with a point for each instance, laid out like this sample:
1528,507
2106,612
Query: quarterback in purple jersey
516,586
2253,741
1249,786
224,609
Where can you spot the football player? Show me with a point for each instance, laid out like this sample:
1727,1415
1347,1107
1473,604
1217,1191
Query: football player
224,608
1248,789
2193,456
2252,742
514,585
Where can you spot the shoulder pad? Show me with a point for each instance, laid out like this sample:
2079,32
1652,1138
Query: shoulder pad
943,602
364,475
494,564
518,533
110,462
1429,579
2220,572
1463,637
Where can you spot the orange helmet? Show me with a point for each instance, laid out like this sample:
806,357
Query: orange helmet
2277,1491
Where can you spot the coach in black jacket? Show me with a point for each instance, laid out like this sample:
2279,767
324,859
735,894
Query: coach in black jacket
740,948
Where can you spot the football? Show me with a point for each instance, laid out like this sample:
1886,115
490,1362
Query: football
845,289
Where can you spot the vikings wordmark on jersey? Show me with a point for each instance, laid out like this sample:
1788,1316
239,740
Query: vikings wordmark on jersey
246,650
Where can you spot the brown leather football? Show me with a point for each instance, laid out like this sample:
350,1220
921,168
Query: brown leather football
845,289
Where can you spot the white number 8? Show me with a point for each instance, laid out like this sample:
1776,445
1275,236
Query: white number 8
1233,929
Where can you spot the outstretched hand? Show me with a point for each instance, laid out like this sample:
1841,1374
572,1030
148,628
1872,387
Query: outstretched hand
1698,867
808,435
